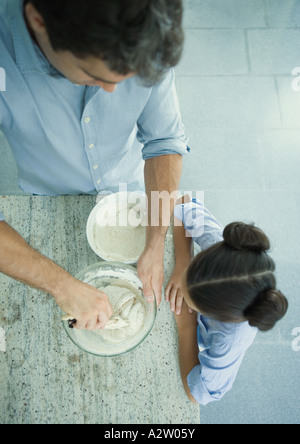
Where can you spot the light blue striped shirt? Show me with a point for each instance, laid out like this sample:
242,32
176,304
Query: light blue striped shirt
69,139
222,346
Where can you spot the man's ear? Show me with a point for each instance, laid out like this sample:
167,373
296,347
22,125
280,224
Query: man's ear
34,19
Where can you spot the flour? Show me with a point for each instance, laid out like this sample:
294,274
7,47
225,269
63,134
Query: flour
120,233
128,317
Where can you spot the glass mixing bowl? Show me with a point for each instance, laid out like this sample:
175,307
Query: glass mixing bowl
105,274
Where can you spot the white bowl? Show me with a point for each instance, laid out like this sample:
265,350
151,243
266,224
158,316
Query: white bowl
106,211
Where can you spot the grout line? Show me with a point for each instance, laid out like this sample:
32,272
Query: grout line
213,75
266,13
278,100
249,28
247,49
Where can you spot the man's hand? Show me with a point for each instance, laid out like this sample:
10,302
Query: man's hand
151,272
90,307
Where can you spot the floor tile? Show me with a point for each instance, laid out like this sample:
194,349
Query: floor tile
280,159
289,102
234,102
224,14
255,398
283,14
223,159
213,52
272,51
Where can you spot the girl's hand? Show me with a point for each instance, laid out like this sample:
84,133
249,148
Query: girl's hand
174,293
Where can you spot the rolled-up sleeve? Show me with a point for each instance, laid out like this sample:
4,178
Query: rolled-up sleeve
216,373
200,223
160,128
3,114
198,388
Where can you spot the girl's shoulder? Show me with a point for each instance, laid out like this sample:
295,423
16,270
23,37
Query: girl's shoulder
228,337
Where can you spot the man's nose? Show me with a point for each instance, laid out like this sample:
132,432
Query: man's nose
107,87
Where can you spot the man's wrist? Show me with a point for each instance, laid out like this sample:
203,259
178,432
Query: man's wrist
156,238
60,287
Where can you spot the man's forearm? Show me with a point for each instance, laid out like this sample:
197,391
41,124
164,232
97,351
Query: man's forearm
183,247
88,305
21,262
162,179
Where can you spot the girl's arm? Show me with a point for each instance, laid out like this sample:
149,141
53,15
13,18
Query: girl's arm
188,346
183,255
182,241
183,246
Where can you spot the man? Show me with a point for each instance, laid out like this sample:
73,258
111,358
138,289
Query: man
62,58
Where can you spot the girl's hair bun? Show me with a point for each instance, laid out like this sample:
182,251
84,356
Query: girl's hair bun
268,308
241,236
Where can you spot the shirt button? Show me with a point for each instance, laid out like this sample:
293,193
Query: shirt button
87,120
91,146
95,167
98,181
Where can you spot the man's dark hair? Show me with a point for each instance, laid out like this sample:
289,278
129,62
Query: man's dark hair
140,36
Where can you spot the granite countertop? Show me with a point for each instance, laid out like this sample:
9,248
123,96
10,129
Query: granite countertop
44,377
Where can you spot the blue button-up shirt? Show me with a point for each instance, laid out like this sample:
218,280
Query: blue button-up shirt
70,139
222,346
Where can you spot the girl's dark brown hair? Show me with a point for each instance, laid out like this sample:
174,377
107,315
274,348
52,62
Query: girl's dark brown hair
234,281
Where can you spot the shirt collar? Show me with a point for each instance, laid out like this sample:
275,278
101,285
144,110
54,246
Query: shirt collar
29,57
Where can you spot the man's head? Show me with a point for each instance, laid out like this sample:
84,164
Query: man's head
102,42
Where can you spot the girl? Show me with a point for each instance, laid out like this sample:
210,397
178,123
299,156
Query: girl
231,284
